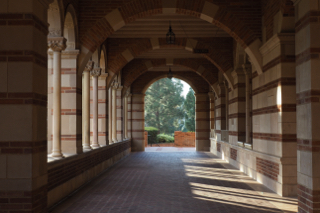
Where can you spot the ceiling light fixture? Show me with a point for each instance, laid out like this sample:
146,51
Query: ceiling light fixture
170,35
170,74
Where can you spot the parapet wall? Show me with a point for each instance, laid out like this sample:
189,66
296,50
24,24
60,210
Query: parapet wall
67,175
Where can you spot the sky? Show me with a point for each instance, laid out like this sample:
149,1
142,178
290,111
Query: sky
185,88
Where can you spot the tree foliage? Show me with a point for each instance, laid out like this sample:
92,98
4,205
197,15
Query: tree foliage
164,106
189,108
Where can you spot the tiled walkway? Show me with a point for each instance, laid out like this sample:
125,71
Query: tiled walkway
164,180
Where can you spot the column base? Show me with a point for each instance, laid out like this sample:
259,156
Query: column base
95,146
87,148
57,155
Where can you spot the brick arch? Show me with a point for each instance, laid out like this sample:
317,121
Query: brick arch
144,81
202,9
140,67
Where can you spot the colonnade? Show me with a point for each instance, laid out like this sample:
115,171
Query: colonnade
114,115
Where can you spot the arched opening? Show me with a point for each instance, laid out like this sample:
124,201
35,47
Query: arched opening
169,115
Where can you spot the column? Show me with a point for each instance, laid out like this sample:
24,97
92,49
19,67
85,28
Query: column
225,83
23,106
125,117
248,72
114,112
212,117
137,122
119,115
95,72
110,115
202,122
237,109
129,97
308,104
220,111
86,106
57,45
103,109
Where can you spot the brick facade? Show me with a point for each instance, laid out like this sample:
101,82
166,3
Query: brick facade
233,154
268,168
184,139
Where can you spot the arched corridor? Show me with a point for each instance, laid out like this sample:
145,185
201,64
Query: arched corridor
73,77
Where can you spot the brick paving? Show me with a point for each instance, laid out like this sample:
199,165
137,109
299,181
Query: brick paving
174,180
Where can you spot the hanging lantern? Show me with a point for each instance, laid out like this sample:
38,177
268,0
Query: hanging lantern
170,36
170,74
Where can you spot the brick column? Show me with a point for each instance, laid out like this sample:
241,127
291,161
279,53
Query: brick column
308,104
71,139
202,122
137,122
23,107
220,108
129,116
212,117
237,109
103,110
119,114
57,45
248,71
86,106
95,73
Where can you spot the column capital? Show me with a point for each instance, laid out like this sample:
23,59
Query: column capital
89,66
96,72
238,71
211,95
247,69
57,44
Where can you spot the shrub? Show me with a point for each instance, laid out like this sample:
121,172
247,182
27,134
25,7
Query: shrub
163,138
152,134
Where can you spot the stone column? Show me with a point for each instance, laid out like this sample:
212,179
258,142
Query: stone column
103,110
137,122
23,106
248,72
308,104
114,113
237,109
212,117
57,45
96,72
225,83
125,118
110,115
129,116
119,114
202,122
86,106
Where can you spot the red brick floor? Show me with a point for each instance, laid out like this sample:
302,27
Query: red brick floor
164,181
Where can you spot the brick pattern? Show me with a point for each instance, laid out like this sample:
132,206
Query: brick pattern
268,168
284,81
308,145
23,201
275,137
23,98
22,147
311,17
309,200
233,154
218,147
275,109
184,139
63,173
310,96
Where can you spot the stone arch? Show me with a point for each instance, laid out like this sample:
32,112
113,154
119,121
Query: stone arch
150,64
55,18
174,76
70,30
202,9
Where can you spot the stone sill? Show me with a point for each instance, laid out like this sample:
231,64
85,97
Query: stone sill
52,162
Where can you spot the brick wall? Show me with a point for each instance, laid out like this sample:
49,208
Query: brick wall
268,168
79,169
145,138
233,154
184,139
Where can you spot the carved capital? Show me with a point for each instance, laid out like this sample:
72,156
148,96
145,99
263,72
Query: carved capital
57,43
96,72
115,85
89,66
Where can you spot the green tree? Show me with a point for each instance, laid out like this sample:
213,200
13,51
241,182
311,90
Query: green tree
189,108
164,105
